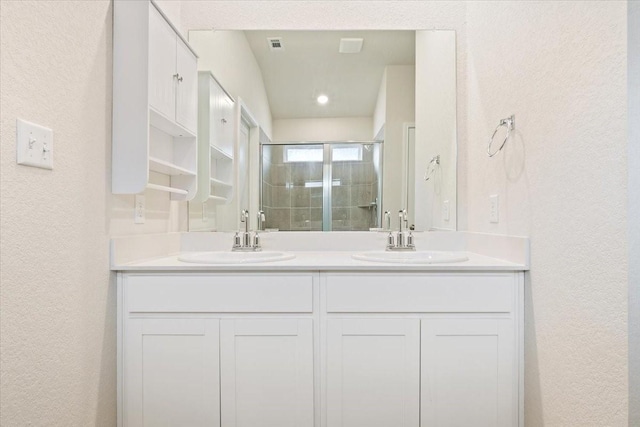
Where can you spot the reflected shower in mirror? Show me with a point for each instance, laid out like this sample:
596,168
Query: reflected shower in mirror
321,187
346,100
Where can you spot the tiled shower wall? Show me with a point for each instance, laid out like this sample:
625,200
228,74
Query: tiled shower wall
292,193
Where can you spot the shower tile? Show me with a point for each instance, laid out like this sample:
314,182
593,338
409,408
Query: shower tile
299,173
340,225
277,154
300,218
300,197
341,196
340,214
280,175
315,171
281,197
278,218
361,195
316,195
342,171
316,214
360,219
266,172
266,195
315,224
360,174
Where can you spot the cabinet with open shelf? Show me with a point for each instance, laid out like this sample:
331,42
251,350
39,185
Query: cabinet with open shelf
154,104
216,125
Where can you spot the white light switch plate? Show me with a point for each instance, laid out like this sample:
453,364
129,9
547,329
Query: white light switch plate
494,205
34,145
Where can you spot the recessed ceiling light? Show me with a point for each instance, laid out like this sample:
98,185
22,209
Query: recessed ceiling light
323,99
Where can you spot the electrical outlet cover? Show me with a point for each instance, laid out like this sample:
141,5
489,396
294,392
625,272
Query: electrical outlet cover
494,205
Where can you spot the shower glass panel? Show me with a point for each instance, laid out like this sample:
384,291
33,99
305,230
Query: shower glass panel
314,187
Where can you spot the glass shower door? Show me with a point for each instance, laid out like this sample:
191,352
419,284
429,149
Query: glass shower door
313,187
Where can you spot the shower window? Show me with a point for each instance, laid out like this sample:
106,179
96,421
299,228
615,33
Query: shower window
314,187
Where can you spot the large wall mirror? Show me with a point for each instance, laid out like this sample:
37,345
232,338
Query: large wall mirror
333,128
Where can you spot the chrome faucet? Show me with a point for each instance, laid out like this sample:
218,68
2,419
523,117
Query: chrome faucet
401,242
245,243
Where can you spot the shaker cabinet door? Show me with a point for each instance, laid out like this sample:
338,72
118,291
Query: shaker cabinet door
468,373
162,65
171,373
267,372
373,372
187,92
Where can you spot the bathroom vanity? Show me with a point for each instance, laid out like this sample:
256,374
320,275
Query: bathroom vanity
322,339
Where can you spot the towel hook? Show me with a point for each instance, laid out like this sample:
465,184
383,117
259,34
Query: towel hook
510,124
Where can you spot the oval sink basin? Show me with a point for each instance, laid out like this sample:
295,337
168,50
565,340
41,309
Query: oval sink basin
224,257
418,257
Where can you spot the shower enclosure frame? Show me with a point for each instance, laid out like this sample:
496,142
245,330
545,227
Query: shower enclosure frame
327,175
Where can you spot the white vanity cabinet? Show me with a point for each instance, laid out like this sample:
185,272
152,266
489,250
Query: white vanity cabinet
200,349
323,348
373,372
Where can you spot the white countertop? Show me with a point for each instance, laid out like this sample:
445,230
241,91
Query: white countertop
321,261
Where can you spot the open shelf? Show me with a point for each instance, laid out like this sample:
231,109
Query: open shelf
217,182
217,199
168,168
167,189
217,153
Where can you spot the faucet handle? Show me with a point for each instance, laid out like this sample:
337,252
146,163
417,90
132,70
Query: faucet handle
387,218
261,220
244,215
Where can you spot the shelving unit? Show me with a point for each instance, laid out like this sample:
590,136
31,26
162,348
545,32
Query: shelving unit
155,85
216,130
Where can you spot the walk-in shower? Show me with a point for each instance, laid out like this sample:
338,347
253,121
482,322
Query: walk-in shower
321,186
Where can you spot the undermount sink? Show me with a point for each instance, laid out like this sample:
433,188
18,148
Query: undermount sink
224,257
417,257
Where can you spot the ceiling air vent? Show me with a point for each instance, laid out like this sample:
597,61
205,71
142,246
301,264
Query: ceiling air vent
275,43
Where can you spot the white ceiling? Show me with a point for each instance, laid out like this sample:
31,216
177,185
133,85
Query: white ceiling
311,65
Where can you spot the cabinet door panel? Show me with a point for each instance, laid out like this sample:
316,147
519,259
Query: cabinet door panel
187,93
172,373
267,373
162,65
373,371
468,373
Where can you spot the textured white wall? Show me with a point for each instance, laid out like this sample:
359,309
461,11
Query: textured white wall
323,129
435,129
634,209
560,67
57,333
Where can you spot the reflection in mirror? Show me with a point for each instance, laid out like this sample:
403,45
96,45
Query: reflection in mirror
328,107
321,187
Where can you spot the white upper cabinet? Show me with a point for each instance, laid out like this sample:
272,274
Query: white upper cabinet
155,104
187,94
163,79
